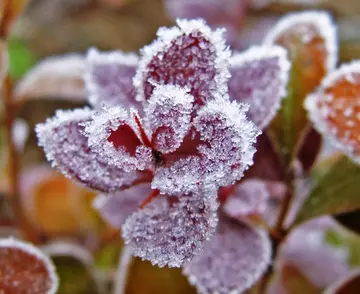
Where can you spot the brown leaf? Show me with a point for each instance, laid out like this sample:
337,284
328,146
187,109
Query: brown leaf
4,62
349,285
25,269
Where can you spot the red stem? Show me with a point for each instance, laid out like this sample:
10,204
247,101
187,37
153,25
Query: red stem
153,194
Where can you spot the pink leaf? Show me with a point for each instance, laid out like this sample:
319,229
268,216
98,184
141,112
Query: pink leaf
25,269
114,135
259,77
189,55
169,113
170,233
232,261
67,148
115,208
109,78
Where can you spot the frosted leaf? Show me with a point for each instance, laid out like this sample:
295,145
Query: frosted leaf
25,269
115,208
4,61
114,135
60,77
189,55
248,198
227,14
67,148
259,77
169,113
232,261
314,29
306,248
170,233
227,141
109,77
335,110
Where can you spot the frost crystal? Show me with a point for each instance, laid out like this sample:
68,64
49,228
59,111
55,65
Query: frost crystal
259,77
115,208
312,27
67,148
249,197
227,139
232,261
335,110
189,55
169,113
112,133
25,269
109,78
223,140
169,233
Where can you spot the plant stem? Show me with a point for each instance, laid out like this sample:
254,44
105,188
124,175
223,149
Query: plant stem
14,163
279,230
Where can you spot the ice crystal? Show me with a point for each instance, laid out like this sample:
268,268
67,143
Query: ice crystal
249,197
115,208
25,269
189,55
67,148
113,134
168,114
109,78
335,111
232,261
171,232
223,150
259,77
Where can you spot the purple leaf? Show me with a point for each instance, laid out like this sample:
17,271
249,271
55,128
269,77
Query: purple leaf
169,113
115,208
67,148
232,261
189,55
169,233
259,77
109,77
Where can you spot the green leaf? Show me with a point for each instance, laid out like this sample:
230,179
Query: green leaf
335,192
21,58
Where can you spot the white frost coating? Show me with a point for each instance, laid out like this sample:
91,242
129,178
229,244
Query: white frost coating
108,77
318,115
20,134
54,77
165,38
232,261
67,149
249,197
168,115
325,27
170,234
32,250
267,90
116,208
98,131
229,138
